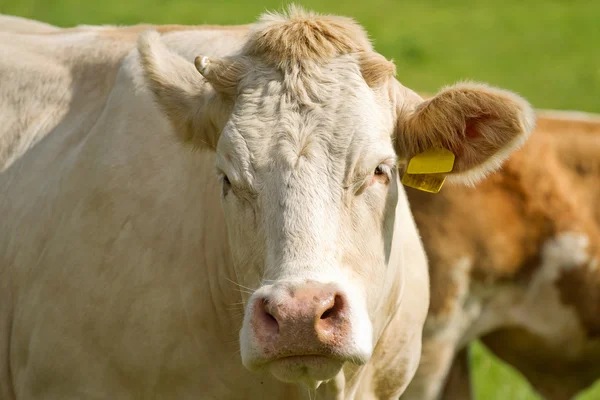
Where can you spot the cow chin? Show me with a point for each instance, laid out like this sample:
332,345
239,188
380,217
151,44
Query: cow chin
309,370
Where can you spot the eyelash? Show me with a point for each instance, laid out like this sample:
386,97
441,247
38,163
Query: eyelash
225,184
383,170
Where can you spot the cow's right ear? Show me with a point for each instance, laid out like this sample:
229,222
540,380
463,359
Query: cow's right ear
197,100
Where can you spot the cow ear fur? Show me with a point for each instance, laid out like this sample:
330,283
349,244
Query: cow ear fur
196,110
480,124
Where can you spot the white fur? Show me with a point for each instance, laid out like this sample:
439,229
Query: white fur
10,23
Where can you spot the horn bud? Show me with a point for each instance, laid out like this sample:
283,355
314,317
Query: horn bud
222,73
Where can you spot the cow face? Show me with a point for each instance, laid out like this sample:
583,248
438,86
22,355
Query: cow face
307,123
310,190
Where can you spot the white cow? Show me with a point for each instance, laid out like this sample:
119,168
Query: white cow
130,269
11,23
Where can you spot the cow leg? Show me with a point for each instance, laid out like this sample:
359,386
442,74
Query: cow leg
458,382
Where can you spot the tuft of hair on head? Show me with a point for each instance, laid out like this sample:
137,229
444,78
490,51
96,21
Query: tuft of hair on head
296,36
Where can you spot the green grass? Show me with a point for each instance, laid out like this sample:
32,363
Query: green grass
495,380
547,50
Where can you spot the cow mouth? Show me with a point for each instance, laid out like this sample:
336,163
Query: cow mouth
310,370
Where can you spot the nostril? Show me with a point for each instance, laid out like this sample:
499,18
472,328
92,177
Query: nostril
271,319
336,309
267,320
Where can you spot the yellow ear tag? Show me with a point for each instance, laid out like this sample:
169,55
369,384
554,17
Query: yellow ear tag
423,170
435,160
426,183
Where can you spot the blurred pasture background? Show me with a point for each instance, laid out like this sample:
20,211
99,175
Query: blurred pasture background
546,50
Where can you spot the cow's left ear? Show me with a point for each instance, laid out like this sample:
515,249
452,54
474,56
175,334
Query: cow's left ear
481,125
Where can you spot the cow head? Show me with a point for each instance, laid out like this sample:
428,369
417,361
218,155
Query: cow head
308,123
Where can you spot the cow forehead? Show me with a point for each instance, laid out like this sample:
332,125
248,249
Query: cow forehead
331,118
303,93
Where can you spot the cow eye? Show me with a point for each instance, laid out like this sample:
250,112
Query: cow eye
226,185
381,174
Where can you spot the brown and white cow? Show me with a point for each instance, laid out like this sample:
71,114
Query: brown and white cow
516,263
130,269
